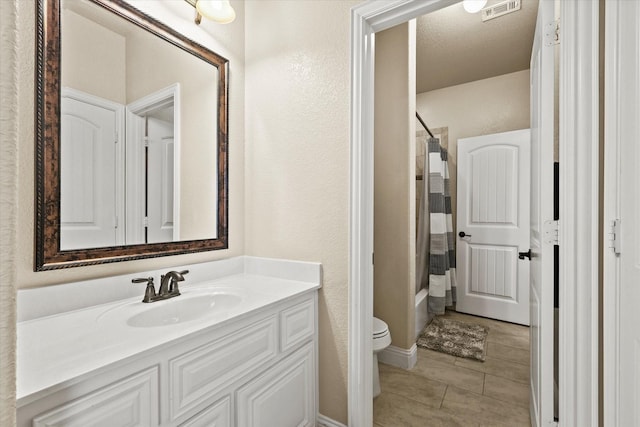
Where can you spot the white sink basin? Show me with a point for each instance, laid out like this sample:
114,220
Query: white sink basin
184,308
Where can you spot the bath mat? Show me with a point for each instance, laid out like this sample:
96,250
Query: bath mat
455,338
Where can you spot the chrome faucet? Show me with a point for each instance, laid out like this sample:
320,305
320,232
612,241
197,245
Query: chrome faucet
168,286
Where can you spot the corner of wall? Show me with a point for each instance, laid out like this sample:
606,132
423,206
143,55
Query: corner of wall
8,214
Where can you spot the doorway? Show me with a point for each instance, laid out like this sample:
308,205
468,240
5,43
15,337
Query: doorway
153,167
465,107
369,18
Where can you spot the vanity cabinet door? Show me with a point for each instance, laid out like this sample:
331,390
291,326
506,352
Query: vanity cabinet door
130,402
198,376
217,415
297,324
284,396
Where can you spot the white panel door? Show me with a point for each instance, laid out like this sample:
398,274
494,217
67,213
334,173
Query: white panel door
542,253
160,180
87,176
493,226
622,203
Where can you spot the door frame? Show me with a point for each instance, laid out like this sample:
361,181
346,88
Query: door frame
614,148
135,191
579,239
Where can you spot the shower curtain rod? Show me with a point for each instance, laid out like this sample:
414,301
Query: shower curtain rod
423,124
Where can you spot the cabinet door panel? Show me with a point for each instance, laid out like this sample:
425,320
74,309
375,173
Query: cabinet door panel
200,374
131,402
284,396
297,324
217,415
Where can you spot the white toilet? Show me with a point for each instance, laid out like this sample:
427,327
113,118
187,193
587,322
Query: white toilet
381,340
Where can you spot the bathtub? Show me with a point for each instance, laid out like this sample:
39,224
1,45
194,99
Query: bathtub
422,316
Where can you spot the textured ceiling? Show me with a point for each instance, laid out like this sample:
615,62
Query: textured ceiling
455,47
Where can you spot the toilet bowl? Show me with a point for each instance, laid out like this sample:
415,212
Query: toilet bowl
381,340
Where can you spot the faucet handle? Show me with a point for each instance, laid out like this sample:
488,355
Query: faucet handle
142,280
150,291
183,272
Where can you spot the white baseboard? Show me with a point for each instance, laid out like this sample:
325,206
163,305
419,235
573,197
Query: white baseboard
328,422
399,357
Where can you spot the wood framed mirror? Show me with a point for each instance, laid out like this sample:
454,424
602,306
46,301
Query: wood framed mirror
131,138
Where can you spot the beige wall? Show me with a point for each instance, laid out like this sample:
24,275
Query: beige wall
124,69
152,65
9,212
227,41
497,104
297,159
394,175
93,58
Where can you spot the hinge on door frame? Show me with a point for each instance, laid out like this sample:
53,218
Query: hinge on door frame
550,232
115,220
552,33
145,221
117,138
614,236
145,139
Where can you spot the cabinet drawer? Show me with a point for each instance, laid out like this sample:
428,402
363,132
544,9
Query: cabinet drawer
197,375
217,415
297,324
130,402
284,396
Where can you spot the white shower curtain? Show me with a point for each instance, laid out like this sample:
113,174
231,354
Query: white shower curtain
436,260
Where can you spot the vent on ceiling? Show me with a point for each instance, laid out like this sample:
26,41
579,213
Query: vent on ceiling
500,9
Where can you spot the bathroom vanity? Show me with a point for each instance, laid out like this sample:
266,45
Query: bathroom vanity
237,348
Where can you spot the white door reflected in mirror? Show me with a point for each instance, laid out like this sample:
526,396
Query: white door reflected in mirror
99,208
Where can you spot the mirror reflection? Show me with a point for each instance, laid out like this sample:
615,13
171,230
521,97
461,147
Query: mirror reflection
138,135
131,145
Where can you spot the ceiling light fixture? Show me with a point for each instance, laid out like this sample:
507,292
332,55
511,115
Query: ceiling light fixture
219,11
473,6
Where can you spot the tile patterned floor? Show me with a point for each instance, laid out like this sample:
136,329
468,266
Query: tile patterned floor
444,390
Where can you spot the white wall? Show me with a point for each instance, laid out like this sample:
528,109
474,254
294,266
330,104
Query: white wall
297,158
225,40
497,104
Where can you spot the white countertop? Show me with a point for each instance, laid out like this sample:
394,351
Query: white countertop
56,349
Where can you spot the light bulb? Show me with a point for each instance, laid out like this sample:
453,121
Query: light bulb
473,6
217,10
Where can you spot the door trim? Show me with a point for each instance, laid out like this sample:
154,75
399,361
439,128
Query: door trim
135,159
579,217
615,90
611,263
579,238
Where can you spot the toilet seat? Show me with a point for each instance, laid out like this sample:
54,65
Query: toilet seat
379,328
381,336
